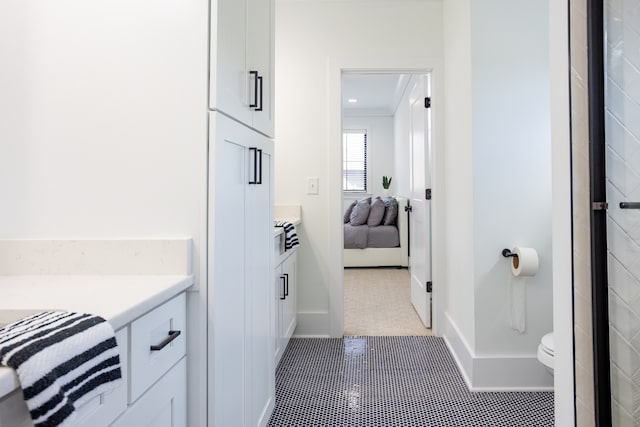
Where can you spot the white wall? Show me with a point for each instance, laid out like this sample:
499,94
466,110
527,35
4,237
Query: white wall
380,152
512,167
460,259
498,185
308,35
103,127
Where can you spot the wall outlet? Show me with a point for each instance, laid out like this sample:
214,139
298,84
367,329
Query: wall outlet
312,185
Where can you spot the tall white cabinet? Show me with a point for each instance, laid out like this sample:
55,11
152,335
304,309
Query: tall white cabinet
241,371
241,374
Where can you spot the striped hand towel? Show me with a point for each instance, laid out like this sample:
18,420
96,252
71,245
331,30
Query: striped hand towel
62,360
290,235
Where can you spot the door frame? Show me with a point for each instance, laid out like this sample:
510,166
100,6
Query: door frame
598,193
400,65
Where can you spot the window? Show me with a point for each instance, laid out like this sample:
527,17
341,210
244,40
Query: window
354,161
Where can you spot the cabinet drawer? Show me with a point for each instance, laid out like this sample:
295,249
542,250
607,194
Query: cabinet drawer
153,330
164,405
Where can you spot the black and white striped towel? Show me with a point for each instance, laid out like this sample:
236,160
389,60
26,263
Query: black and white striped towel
290,235
63,360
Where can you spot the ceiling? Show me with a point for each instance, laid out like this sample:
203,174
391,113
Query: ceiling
377,94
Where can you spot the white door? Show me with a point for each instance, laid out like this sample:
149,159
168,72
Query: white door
420,217
227,296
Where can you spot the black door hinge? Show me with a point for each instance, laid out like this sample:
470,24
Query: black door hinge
427,194
427,102
429,287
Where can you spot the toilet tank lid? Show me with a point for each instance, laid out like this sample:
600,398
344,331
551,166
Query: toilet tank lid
547,342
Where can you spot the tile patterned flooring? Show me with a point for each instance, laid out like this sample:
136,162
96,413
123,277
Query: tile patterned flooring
391,381
409,379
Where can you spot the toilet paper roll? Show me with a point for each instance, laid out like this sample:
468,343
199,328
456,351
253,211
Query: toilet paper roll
525,263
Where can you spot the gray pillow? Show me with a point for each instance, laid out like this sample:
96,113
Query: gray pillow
360,212
391,211
376,213
347,213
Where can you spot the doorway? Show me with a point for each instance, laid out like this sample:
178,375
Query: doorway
386,154
338,69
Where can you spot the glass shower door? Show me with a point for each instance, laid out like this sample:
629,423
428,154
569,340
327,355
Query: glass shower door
622,153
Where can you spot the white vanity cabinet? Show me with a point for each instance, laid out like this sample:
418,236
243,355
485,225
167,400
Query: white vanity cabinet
153,391
242,61
157,378
285,306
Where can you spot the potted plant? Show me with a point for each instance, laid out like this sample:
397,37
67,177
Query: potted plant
386,183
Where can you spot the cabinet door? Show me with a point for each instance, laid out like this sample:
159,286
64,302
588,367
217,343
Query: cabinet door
289,303
278,297
227,262
260,58
258,285
165,404
229,76
241,382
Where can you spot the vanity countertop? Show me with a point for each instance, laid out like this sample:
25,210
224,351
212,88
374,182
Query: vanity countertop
118,299
278,230
287,213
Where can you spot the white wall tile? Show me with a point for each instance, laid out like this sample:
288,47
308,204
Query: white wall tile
622,282
620,417
623,354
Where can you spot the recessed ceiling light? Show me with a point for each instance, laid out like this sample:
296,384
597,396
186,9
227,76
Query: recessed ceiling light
352,100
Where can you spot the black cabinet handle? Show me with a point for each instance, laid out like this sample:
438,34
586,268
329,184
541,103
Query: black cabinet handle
284,295
286,292
172,336
259,106
254,104
629,205
259,160
257,165
254,180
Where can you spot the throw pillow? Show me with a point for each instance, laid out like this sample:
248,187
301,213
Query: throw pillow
376,213
347,213
391,211
360,212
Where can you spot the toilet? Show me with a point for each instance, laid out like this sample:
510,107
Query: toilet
545,352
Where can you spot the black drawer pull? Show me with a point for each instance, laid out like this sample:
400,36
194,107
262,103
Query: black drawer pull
172,336
259,106
284,294
254,104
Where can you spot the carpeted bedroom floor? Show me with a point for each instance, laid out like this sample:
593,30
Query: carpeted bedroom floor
377,302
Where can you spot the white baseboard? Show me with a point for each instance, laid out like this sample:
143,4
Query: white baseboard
495,373
312,325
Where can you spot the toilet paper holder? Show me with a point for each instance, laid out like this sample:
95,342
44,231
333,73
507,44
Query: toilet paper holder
507,253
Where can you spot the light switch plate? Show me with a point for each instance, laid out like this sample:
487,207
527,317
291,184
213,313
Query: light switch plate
312,185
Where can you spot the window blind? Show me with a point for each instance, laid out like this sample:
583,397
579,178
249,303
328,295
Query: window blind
354,160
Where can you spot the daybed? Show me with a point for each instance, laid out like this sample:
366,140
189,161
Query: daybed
363,243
